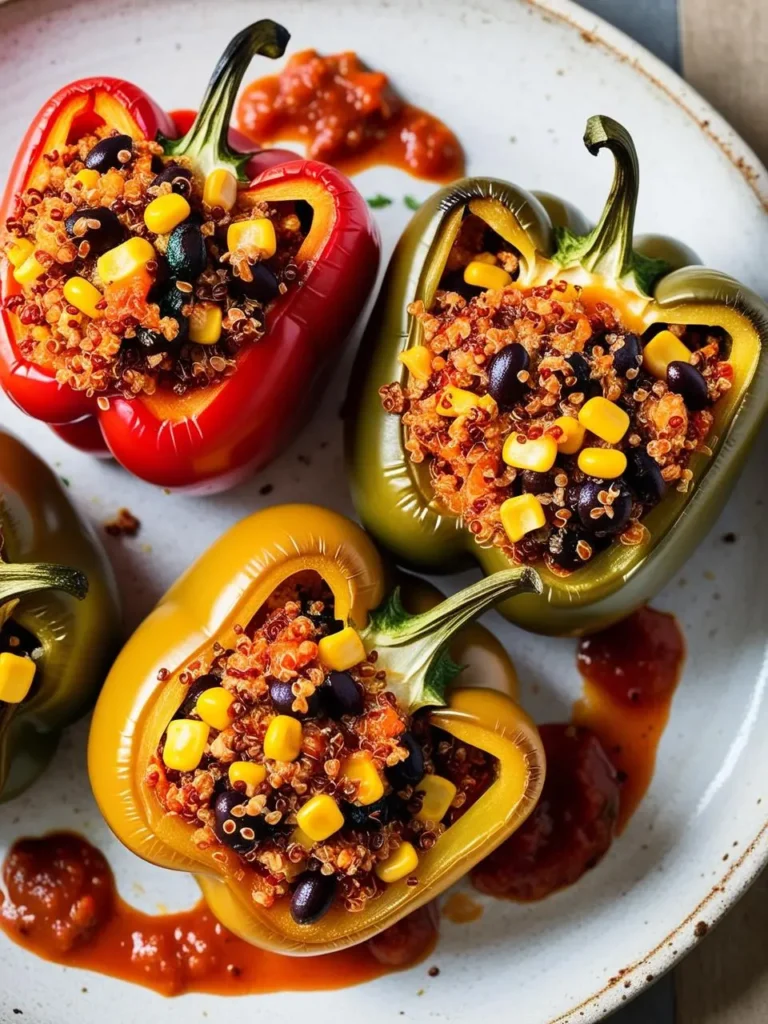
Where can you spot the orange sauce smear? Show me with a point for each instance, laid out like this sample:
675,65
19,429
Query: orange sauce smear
348,116
599,766
61,904
631,671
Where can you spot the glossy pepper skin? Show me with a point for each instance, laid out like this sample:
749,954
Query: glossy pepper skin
211,439
393,495
55,583
228,585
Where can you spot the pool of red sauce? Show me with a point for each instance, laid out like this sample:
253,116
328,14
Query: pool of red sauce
60,902
349,116
598,766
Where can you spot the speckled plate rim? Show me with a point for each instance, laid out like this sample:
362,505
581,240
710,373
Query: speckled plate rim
734,882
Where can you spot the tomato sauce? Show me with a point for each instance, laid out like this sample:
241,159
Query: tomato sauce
349,116
631,671
598,767
61,903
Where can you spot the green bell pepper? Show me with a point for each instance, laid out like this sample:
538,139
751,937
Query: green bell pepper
648,281
64,617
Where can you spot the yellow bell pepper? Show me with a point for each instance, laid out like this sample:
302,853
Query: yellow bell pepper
227,586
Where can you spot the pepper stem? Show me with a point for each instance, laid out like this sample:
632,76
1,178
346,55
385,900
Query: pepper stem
19,579
413,648
607,249
207,141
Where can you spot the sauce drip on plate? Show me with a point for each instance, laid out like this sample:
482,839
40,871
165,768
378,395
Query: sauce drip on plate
598,767
349,116
61,904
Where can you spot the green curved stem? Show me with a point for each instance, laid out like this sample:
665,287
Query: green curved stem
18,580
412,649
607,249
610,249
206,143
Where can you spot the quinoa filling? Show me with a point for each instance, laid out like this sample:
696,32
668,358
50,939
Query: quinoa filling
547,425
131,280
317,779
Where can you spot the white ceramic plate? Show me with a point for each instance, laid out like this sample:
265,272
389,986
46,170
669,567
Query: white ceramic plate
517,82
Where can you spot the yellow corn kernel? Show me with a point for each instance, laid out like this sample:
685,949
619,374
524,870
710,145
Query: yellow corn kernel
605,419
166,212
205,323
213,707
297,836
16,675
342,650
125,260
253,234
320,817
538,454
283,739
418,360
662,350
485,275
486,257
83,296
185,741
21,250
249,773
399,864
359,768
455,401
438,794
521,515
572,437
606,463
29,271
88,178
220,189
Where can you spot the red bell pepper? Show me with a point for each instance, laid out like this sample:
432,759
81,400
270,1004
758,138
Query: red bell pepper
209,439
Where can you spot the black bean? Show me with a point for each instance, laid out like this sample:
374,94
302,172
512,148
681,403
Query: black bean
172,303
186,252
107,235
644,477
179,178
411,770
104,154
282,698
199,686
374,816
152,342
503,382
628,356
238,833
345,696
532,482
686,381
312,897
584,383
325,620
571,497
621,506
263,288
563,545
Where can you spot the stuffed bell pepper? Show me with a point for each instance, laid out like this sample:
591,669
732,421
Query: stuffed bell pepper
59,617
279,728
532,392
175,301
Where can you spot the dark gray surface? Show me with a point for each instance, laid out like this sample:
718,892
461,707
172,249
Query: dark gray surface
654,23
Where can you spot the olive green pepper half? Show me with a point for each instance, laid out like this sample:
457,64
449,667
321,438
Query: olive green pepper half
57,593
650,281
